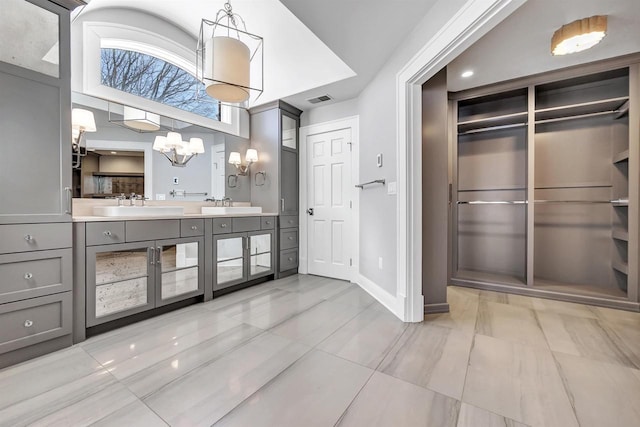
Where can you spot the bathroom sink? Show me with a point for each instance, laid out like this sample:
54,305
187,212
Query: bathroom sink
226,210
141,211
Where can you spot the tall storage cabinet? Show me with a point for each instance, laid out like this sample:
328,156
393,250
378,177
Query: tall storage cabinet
35,172
545,182
274,133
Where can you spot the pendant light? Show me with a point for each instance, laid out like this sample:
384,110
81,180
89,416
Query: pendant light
229,59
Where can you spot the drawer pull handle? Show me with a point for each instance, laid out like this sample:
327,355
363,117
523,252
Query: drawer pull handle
107,233
28,323
28,238
290,238
193,227
268,222
223,225
290,259
28,276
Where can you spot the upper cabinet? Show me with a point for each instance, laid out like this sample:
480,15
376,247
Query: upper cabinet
274,133
35,104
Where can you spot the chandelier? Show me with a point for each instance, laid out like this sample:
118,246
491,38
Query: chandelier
229,60
177,151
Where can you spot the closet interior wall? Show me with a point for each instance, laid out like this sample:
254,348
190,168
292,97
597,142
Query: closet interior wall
542,194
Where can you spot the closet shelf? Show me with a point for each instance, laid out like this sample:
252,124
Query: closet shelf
621,157
505,121
622,235
620,266
581,110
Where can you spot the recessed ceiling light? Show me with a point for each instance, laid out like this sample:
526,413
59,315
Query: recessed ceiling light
467,74
114,152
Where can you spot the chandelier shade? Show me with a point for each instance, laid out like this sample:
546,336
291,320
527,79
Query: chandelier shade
141,120
177,151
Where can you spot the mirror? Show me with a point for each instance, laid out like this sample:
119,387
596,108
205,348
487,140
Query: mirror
120,159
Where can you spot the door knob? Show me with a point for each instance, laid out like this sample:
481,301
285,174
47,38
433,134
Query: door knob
310,211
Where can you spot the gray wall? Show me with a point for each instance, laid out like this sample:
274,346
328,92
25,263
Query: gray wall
327,113
377,111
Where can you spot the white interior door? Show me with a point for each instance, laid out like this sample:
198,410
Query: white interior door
329,199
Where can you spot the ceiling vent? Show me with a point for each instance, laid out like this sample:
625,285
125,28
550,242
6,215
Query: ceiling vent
319,99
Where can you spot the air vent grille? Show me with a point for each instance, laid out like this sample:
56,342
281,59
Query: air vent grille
319,99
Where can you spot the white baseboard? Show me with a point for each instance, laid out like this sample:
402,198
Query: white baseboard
394,304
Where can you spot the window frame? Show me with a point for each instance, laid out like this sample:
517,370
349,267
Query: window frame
97,35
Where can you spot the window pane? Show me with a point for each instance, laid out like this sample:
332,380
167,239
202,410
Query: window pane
155,79
29,37
178,256
260,263
179,282
260,243
120,265
229,248
229,270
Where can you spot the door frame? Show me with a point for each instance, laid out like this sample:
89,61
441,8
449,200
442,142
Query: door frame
353,231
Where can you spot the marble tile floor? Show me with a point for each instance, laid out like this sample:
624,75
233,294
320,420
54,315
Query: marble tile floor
309,351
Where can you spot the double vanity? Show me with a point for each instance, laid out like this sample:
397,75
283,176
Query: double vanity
133,262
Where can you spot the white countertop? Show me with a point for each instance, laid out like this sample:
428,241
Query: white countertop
94,218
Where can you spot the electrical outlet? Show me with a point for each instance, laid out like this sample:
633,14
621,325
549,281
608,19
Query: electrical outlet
176,180
379,160
380,263
392,188
161,197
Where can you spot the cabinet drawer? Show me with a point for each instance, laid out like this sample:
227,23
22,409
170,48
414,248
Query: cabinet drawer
221,225
34,237
34,320
136,231
268,222
34,274
105,233
288,259
191,227
288,238
241,225
288,221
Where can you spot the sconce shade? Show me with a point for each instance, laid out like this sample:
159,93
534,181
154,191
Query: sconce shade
234,158
579,35
251,156
226,69
82,119
140,119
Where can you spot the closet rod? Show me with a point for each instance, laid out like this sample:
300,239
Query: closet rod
487,129
584,201
493,202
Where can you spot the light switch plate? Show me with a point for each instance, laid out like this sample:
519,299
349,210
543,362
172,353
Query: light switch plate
392,188
379,160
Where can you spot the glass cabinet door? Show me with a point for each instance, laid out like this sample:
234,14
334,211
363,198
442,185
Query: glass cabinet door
120,281
180,266
289,132
260,254
229,250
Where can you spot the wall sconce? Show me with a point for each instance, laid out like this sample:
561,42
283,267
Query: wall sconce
251,157
177,151
81,121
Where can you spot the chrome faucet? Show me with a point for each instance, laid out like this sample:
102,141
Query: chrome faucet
121,198
226,200
141,198
132,199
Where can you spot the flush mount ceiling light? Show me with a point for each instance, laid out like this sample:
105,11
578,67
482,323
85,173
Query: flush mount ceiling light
178,152
579,35
141,120
229,60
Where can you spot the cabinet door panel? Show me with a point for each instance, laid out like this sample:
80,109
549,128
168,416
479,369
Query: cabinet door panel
181,268
289,182
261,254
229,257
120,281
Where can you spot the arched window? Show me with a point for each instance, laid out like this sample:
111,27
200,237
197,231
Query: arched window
155,79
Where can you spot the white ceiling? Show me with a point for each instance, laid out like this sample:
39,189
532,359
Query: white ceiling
520,45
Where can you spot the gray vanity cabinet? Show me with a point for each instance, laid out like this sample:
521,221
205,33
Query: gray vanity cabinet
245,254
135,266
